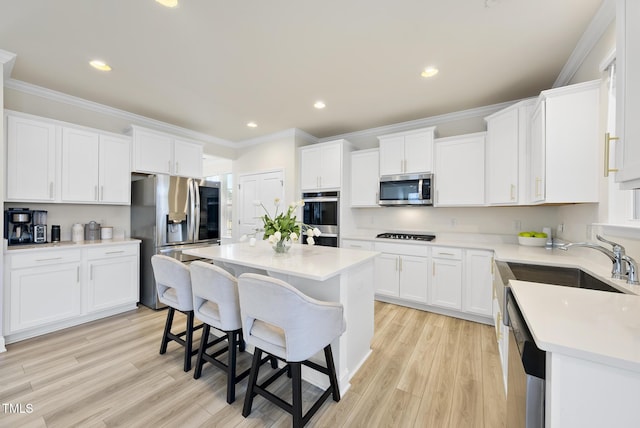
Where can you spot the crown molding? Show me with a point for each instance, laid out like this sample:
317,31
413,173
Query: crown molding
605,15
287,133
7,59
423,123
136,119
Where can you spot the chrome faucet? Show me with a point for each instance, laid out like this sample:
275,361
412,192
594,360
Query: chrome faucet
624,267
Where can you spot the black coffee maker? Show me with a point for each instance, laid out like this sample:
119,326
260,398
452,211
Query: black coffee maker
17,226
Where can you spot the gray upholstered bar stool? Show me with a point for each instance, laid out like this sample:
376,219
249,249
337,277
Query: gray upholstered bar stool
173,284
215,302
285,323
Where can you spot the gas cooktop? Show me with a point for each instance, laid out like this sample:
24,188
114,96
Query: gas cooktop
407,236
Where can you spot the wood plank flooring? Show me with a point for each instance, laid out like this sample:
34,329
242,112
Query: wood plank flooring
426,370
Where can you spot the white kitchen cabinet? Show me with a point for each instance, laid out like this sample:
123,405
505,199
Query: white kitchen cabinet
157,152
402,271
31,160
506,154
43,288
446,281
95,168
365,176
460,170
357,244
478,282
564,145
112,277
53,288
407,152
628,94
321,165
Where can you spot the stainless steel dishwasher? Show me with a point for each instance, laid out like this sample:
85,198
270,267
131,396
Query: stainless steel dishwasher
526,374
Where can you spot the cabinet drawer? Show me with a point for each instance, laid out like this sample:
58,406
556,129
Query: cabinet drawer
43,258
112,251
405,249
447,253
357,245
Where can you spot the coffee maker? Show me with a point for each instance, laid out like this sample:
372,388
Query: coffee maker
17,226
39,218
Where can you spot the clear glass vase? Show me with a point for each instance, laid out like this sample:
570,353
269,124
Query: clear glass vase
282,246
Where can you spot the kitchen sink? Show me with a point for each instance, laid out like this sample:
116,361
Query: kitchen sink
568,277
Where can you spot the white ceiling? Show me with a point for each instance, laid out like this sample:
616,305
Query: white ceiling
213,65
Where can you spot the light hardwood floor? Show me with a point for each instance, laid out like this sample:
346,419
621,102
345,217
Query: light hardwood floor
426,370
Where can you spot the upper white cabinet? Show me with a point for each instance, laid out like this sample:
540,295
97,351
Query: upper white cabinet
365,178
459,170
31,160
157,152
564,145
407,152
628,93
506,154
73,164
321,165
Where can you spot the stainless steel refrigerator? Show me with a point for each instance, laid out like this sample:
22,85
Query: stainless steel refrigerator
170,214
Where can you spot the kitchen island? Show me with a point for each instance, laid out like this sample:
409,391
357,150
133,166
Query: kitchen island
324,273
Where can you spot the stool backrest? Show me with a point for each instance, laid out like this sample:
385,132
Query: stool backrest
214,284
170,273
308,324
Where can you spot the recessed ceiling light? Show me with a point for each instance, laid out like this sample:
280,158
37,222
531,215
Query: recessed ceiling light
252,125
100,65
168,3
319,105
429,72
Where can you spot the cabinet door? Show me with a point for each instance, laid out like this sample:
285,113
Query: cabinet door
187,159
478,283
331,163
446,283
414,278
115,170
537,148
112,282
459,176
80,153
365,179
31,160
152,152
41,295
386,275
502,158
391,155
628,93
418,153
310,168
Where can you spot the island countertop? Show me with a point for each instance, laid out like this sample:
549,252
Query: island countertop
304,261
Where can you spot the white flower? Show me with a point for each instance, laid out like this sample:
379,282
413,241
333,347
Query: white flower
293,205
309,233
301,203
277,235
276,201
243,238
293,236
272,239
316,231
257,202
310,241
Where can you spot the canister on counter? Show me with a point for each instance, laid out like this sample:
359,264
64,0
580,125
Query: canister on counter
55,233
77,232
106,233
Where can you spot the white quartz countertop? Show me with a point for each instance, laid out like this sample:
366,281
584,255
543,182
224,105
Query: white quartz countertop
593,325
67,245
311,262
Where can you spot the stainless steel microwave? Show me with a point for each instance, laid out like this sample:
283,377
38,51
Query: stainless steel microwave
406,189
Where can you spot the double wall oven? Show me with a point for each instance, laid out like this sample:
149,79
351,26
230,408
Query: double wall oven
322,210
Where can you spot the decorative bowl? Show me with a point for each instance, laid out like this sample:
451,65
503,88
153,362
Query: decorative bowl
532,242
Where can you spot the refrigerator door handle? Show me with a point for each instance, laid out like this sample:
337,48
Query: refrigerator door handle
192,210
196,211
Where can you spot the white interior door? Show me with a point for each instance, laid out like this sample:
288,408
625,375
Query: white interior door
264,187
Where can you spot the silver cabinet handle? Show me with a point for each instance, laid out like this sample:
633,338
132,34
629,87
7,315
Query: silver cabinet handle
91,273
95,193
446,254
51,190
48,260
115,252
78,274
400,264
396,263
512,192
177,167
169,165
102,193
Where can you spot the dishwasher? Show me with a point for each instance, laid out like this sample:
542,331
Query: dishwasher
526,374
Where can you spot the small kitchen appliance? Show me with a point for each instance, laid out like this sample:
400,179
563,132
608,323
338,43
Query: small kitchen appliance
17,226
92,231
39,226
406,189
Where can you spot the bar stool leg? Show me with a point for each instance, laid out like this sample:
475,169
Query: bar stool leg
188,342
296,382
253,377
335,391
231,367
203,346
167,330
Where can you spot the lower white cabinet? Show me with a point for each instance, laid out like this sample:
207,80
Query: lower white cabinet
446,281
402,270
53,288
478,283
